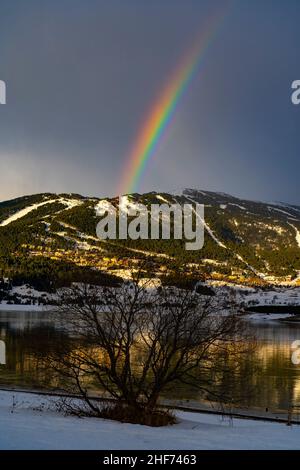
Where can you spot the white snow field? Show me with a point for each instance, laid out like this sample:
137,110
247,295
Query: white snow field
29,425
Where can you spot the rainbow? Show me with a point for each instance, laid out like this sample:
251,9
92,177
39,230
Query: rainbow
163,110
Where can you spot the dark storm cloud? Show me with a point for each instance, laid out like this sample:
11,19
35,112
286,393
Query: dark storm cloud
81,75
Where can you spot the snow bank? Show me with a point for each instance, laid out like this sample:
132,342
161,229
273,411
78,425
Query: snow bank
27,423
270,316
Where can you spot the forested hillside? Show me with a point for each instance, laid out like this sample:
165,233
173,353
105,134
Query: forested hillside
50,240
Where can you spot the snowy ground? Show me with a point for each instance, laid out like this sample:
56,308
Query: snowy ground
256,296
30,425
267,317
243,294
279,296
25,295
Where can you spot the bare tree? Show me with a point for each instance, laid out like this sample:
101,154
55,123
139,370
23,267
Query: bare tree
134,342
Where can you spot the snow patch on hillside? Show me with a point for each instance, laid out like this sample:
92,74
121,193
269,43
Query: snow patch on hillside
213,262
79,244
237,205
102,207
70,203
214,237
87,247
25,211
209,230
297,234
161,198
282,211
126,205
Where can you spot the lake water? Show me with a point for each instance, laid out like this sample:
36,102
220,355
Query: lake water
273,379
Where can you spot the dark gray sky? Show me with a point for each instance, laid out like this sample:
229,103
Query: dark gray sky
81,76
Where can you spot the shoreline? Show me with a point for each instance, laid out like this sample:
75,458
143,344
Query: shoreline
255,316
250,315
255,414
25,308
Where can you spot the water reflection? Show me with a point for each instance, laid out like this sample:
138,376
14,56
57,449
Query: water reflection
277,380
269,373
28,337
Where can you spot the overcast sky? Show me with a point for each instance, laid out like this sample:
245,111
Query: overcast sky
81,76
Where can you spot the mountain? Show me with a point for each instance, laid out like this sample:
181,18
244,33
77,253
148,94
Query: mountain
50,240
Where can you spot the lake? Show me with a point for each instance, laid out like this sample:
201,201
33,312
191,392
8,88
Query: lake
274,380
